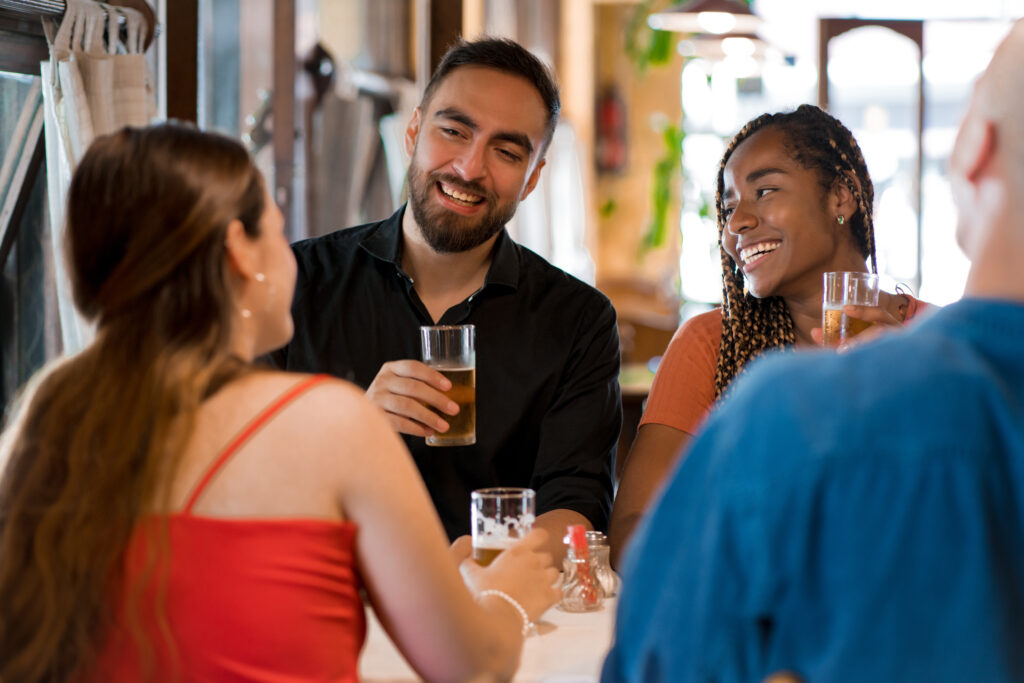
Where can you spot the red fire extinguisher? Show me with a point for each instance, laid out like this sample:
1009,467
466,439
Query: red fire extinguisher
610,137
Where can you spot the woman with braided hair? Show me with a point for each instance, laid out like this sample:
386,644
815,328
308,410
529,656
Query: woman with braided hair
794,200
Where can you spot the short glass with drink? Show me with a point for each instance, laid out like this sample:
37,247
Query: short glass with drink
844,288
498,518
451,350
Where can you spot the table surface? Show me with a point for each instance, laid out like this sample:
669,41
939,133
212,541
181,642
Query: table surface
568,648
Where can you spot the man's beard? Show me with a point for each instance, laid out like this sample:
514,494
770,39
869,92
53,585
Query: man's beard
446,231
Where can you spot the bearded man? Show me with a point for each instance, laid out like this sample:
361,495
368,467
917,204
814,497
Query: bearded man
548,405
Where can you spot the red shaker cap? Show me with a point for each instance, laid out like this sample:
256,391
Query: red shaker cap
577,540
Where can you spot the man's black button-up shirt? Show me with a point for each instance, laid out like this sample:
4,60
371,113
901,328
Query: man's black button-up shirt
547,361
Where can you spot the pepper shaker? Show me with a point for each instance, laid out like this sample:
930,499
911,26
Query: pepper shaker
581,591
597,543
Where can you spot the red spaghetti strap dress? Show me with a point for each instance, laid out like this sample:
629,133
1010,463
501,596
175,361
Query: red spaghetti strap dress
270,600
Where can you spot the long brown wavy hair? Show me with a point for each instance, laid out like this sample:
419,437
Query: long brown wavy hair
818,141
96,442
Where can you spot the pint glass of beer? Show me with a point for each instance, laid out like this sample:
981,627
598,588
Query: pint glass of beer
451,350
845,289
498,518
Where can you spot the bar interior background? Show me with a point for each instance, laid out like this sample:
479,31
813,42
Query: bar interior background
321,89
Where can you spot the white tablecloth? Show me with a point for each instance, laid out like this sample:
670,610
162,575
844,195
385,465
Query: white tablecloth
569,648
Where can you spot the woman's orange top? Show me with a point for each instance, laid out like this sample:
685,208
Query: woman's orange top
241,599
683,391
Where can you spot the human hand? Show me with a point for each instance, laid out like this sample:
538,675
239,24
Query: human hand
401,389
887,316
522,571
461,548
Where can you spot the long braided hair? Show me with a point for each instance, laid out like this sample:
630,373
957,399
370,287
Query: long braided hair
817,141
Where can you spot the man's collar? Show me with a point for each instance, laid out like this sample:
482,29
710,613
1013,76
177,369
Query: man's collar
385,243
504,268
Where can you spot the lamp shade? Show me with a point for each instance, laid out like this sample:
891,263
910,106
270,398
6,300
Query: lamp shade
719,47
719,17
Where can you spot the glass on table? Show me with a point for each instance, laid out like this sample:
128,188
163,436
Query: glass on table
498,518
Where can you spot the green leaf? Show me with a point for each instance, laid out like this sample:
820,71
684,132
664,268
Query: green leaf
667,176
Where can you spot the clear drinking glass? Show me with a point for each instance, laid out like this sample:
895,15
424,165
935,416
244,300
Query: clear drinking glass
451,350
843,288
498,518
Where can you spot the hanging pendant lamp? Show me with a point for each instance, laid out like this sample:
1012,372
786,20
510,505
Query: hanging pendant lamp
719,17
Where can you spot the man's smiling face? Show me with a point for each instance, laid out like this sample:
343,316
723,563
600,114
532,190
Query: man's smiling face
475,148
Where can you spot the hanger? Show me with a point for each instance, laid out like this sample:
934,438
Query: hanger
142,7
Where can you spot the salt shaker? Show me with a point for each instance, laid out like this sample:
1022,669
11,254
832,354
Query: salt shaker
603,572
581,591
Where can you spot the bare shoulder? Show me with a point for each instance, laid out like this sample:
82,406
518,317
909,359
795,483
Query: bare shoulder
310,408
312,399
331,414
321,432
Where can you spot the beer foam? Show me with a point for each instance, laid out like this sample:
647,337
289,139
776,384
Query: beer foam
493,543
500,532
452,366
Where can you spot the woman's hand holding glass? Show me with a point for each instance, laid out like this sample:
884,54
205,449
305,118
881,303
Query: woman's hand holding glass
523,572
889,315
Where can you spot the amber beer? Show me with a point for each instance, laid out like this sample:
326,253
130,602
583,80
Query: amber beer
498,517
451,350
486,550
840,289
462,426
838,328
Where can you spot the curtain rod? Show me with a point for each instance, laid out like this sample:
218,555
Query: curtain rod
56,8
46,8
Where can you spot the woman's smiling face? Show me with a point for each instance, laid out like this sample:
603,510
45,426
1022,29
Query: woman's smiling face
781,224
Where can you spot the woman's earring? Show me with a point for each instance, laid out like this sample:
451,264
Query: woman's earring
245,312
841,219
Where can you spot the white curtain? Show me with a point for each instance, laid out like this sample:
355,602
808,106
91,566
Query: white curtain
552,221
93,84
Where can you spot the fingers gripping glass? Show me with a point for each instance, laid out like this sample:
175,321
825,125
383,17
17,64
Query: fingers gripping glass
845,289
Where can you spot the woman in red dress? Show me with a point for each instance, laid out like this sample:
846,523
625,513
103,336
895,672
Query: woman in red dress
170,510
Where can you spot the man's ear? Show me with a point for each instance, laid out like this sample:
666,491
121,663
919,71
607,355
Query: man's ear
978,148
412,131
240,251
531,182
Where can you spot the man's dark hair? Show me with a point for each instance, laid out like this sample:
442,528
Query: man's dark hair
504,55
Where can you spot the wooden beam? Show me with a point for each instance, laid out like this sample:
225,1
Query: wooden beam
445,28
283,106
183,60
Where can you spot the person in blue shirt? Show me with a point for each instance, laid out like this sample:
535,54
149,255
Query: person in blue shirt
860,517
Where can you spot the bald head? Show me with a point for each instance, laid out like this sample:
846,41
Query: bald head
999,98
986,173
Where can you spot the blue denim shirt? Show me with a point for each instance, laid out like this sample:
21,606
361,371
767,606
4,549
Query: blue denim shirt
855,517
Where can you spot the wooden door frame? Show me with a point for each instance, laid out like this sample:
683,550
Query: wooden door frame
829,28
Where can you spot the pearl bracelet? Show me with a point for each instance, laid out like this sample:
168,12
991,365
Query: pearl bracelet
528,626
